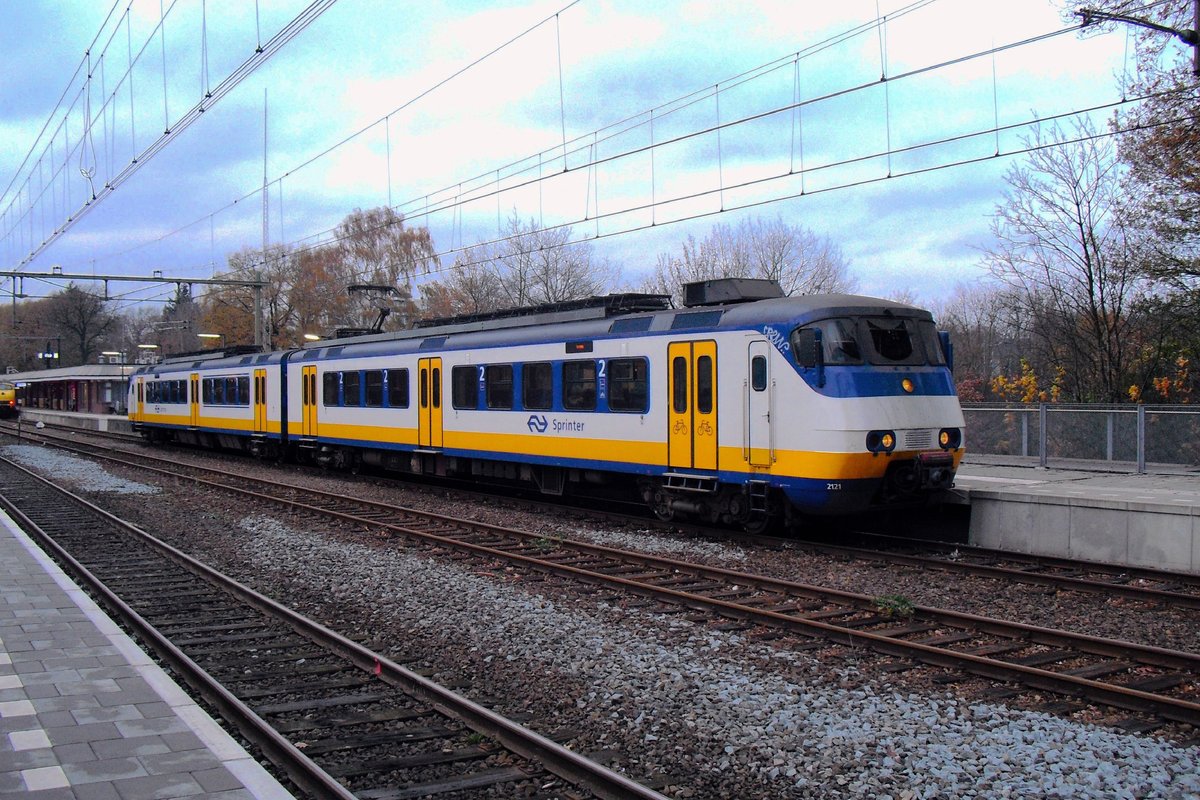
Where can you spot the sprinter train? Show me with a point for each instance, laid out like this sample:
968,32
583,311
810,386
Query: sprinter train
742,407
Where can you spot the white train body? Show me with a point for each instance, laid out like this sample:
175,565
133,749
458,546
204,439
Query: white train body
735,412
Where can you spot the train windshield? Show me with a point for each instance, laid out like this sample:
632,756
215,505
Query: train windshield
875,340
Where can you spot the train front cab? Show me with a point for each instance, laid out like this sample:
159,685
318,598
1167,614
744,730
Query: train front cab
885,375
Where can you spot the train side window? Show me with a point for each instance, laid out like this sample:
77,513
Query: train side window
350,390
628,389
243,385
579,385
397,386
206,390
537,385
704,385
230,391
758,373
218,392
373,379
464,391
498,381
679,385
329,389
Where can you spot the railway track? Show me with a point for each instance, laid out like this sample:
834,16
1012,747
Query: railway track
1163,587
340,720
1162,683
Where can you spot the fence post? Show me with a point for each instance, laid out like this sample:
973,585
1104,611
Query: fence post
1108,450
1024,432
1042,434
1141,439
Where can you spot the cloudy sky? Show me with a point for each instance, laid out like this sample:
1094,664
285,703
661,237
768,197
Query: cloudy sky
361,114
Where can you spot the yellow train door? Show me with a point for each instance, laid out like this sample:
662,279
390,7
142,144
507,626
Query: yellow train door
194,399
692,405
308,401
140,400
260,401
429,402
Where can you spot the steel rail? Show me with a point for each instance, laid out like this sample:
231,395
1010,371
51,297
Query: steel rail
559,760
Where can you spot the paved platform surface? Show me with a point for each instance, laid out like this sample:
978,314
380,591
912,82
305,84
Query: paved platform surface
85,714
1168,485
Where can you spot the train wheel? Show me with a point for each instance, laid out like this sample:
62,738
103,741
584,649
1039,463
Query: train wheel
660,504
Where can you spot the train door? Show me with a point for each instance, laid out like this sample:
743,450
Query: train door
429,402
140,400
692,405
759,396
194,400
260,401
308,401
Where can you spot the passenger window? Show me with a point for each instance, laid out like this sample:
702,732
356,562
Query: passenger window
579,385
230,391
350,390
679,385
464,392
704,385
243,384
498,382
373,379
397,386
628,389
329,389
537,386
218,392
758,373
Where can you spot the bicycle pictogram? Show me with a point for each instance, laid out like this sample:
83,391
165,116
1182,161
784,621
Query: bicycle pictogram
704,429
680,427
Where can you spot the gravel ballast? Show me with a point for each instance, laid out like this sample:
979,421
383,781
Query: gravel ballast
718,714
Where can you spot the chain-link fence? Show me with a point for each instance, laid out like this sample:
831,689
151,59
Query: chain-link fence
1128,435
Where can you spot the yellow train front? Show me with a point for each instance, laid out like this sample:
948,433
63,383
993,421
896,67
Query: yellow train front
8,400
743,407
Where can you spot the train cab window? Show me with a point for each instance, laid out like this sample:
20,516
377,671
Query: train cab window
243,385
498,384
628,389
704,385
932,342
758,373
350,390
537,386
464,391
329,389
397,388
839,341
679,385
579,385
892,341
373,382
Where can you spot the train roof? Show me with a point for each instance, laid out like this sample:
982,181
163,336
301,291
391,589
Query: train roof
574,321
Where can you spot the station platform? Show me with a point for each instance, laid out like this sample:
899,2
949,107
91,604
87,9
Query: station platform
1084,510
84,713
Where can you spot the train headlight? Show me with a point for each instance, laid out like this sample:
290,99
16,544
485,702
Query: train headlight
881,441
907,385
950,438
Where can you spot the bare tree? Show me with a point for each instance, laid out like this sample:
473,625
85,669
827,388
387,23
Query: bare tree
527,266
1064,252
801,261
84,320
1162,142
